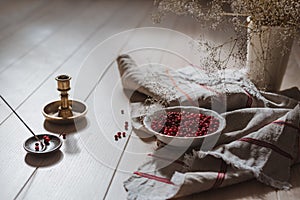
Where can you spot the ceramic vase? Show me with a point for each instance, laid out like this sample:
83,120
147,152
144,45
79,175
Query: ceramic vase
268,53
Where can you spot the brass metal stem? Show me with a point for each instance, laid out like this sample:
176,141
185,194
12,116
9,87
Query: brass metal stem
63,85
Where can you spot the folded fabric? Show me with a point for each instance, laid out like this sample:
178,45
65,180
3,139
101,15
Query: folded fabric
192,86
260,140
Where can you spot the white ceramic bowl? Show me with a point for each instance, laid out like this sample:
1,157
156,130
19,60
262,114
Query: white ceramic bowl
186,142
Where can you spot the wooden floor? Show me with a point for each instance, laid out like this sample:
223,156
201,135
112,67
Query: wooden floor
40,39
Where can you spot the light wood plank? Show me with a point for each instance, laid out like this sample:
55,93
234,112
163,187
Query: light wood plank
37,99
88,176
106,168
19,44
135,155
31,13
184,43
137,148
12,12
12,135
5,111
10,181
51,55
78,162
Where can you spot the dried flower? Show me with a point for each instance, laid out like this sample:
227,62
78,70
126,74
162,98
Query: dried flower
213,13
283,13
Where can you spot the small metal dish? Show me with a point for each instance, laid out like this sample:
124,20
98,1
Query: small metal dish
53,145
50,111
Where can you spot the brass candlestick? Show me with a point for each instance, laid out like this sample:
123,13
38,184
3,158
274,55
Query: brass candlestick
63,85
64,110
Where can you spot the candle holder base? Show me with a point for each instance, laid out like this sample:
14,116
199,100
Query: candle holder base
52,113
65,110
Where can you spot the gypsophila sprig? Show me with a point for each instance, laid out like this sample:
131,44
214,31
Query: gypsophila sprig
283,13
207,13
213,13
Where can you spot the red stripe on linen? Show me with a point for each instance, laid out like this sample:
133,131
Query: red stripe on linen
267,145
179,89
249,100
221,175
280,122
153,177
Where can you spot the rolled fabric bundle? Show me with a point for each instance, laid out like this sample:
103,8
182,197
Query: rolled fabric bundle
191,86
152,82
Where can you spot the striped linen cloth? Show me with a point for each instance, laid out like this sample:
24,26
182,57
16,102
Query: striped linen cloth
260,140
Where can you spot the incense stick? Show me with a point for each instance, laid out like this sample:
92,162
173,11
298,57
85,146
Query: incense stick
22,121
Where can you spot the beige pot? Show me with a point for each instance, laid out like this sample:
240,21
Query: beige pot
267,56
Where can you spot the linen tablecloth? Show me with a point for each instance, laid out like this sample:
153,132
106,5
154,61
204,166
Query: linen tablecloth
260,140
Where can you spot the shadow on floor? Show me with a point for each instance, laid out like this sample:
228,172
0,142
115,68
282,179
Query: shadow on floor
43,160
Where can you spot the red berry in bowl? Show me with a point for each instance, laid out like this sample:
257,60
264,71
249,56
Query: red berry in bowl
184,124
46,139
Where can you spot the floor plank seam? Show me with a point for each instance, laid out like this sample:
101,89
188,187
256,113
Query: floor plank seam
27,181
117,166
61,65
127,141
23,20
37,45
107,68
76,50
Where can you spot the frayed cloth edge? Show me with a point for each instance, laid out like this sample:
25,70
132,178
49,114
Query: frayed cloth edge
257,172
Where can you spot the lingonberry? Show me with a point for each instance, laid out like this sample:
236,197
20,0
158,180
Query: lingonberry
46,139
184,124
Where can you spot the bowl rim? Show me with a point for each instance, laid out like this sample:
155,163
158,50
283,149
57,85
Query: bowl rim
39,135
220,118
